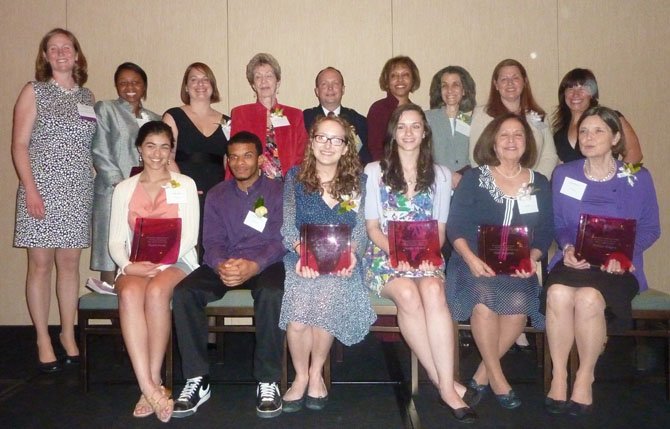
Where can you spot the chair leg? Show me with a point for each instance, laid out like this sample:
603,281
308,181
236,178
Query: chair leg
326,372
415,374
548,367
169,361
83,350
339,351
574,364
539,348
283,384
457,353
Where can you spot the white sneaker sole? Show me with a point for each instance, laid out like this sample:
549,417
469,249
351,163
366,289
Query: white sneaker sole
185,413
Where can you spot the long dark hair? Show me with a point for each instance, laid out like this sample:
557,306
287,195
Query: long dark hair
390,164
575,77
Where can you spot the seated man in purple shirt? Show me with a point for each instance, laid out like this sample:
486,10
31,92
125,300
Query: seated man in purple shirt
243,249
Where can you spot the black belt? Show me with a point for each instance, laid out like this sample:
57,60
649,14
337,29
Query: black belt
198,158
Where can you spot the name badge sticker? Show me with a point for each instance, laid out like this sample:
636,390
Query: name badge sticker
86,112
175,195
573,188
462,128
527,204
255,222
279,121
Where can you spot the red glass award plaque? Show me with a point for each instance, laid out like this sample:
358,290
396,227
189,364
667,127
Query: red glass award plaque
325,248
504,248
414,242
156,240
600,238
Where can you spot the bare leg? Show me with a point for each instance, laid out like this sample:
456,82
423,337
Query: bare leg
560,336
67,290
441,339
38,297
405,294
132,292
494,335
590,334
299,337
321,343
158,317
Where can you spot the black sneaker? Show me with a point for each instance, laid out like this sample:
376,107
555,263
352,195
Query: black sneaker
268,400
195,393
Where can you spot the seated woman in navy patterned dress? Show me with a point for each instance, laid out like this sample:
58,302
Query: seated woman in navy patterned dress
407,186
327,188
503,190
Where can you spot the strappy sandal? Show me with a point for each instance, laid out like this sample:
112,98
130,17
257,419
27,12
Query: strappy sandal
161,404
143,408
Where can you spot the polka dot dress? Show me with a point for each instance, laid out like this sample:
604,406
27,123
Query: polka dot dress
60,160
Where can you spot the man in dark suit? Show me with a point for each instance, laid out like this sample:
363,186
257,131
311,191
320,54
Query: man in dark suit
329,90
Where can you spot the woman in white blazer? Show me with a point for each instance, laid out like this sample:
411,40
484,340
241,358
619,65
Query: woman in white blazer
145,288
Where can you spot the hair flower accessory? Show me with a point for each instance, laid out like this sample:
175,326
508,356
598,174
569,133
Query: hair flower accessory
629,170
347,204
277,112
259,207
525,191
172,184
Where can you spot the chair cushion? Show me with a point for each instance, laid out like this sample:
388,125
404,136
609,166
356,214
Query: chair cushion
652,299
98,301
234,298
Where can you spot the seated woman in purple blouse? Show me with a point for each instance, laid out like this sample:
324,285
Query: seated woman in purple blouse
584,303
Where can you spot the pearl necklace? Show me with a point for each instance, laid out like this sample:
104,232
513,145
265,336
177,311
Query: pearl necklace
505,175
610,172
63,89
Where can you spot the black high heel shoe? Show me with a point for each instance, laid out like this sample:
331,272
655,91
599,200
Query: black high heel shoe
576,409
71,360
49,367
555,406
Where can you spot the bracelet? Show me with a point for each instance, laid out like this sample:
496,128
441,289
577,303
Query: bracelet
566,247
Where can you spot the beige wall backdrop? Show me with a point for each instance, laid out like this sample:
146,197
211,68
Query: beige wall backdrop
623,41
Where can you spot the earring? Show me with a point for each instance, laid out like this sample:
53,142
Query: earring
168,163
141,160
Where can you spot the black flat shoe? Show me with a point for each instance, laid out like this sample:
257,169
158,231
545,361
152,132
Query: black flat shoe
576,409
509,400
49,367
316,404
293,406
553,406
71,360
472,396
463,415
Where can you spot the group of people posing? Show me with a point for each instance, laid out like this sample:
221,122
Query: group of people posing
459,164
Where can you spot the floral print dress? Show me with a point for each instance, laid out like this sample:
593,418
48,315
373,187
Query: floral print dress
397,207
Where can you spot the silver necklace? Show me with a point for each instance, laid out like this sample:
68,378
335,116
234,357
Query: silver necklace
610,171
505,175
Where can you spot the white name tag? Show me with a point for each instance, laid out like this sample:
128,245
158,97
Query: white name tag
255,222
279,121
573,188
527,204
462,127
175,195
86,112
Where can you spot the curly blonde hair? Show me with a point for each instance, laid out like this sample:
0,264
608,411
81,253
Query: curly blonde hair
349,169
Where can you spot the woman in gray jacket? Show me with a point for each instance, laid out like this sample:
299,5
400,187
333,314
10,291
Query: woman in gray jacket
114,154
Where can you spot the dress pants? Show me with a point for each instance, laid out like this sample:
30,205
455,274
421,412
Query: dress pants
204,285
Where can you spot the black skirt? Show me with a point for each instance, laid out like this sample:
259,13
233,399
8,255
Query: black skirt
618,290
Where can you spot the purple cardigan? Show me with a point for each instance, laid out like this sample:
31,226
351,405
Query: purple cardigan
614,198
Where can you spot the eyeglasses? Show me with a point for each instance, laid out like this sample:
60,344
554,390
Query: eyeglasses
323,139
